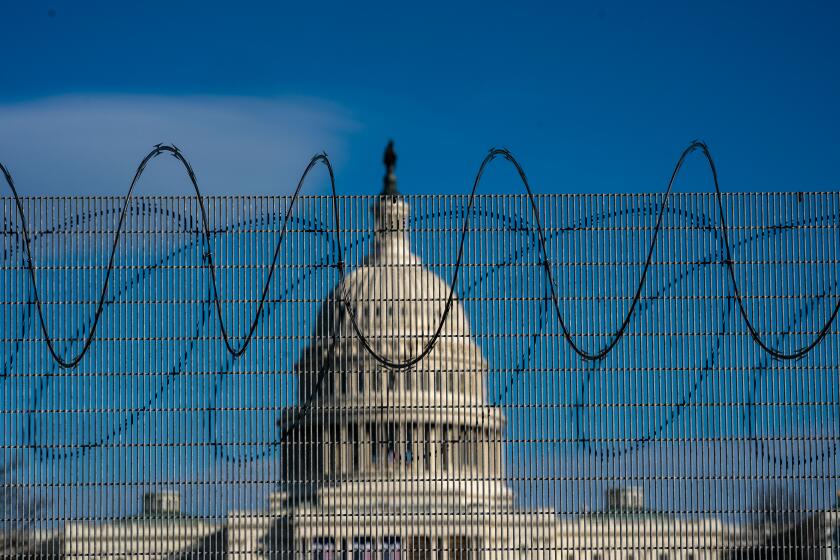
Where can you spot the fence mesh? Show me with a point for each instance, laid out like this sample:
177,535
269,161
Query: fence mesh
413,380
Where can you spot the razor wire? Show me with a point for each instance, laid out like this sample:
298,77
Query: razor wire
339,264
511,224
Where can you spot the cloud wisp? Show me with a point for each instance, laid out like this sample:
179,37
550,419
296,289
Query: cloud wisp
91,145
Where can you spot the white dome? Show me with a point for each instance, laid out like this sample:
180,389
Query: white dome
397,303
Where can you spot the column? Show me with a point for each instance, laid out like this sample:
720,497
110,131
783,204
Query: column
445,451
343,443
428,448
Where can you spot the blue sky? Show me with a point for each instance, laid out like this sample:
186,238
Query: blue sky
592,98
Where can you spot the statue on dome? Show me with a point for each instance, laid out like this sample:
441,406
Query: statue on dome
389,182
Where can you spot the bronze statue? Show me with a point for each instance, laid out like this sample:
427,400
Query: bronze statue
389,187
390,158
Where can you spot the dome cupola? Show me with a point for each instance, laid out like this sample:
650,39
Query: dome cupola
396,301
406,427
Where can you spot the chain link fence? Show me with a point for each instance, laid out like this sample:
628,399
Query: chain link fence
425,377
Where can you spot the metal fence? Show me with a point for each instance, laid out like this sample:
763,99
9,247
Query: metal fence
424,378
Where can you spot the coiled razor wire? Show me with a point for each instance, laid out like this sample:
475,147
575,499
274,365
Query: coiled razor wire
339,264
178,369
723,256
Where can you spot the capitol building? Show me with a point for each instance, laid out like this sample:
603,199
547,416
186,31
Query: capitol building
400,463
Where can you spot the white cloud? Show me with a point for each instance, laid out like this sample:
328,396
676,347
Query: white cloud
92,144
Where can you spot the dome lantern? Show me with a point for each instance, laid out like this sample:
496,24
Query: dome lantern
391,244
389,181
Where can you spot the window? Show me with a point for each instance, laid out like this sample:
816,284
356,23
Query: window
484,451
460,548
409,444
374,443
464,447
391,548
391,444
354,441
363,548
444,447
419,548
323,548
334,449
427,447
474,446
